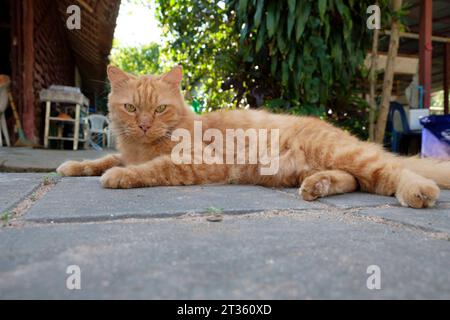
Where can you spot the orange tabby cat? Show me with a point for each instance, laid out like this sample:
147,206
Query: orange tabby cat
320,158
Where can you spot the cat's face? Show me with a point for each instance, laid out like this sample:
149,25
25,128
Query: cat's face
145,108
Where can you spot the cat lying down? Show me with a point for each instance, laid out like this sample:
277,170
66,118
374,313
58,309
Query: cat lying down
161,142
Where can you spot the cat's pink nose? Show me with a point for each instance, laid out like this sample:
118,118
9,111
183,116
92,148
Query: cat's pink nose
144,127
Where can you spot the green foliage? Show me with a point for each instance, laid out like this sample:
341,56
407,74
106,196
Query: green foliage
5,217
296,56
201,39
437,101
214,210
307,54
50,178
137,60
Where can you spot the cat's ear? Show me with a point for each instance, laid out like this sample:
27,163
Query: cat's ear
174,76
117,77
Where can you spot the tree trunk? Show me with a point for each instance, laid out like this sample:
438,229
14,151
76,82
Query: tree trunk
373,84
388,74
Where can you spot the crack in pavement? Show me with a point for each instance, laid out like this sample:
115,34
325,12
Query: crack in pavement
20,208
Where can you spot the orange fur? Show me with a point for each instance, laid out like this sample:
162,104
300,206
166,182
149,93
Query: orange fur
314,155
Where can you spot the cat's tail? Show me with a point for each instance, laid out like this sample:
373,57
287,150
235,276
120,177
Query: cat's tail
437,170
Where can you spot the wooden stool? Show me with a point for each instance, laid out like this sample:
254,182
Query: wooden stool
72,98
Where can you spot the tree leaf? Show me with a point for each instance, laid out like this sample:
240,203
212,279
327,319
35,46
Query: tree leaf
302,13
326,24
261,37
243,7
244,32
290,24
291,57
322,6
271,19
281,42
291,5
273,65
284,72
340,6
259,12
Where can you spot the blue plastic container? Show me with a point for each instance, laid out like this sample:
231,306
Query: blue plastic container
436,137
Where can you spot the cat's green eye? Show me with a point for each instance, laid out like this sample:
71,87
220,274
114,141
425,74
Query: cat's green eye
161,108
129,107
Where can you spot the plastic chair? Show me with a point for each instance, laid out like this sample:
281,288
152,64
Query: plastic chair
398,126
99,124
4,87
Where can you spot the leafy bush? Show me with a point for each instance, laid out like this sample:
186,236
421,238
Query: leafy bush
296,56
305,56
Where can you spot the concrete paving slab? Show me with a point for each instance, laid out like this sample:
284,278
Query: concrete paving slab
444,196
83,199
436,218
42,160
358,199
256,256
352,200
362,199
14,187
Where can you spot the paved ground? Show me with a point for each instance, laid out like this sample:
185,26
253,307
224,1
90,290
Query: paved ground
215,242
41,160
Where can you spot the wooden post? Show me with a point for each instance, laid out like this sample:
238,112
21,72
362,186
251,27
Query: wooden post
373,84
28,65
47,122
425,49
410,35
446,76
388,75
76,130
17,54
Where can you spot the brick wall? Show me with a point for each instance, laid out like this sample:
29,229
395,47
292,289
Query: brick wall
53,61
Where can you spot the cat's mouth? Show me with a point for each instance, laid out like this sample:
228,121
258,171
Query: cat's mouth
149,136
167,135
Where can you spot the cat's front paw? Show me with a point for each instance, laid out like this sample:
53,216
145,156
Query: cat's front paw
314,187
120,178
73,169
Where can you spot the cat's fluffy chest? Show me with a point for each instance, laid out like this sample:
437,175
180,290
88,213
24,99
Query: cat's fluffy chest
133,154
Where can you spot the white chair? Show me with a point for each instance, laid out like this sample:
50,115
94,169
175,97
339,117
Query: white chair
99,125
4,87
